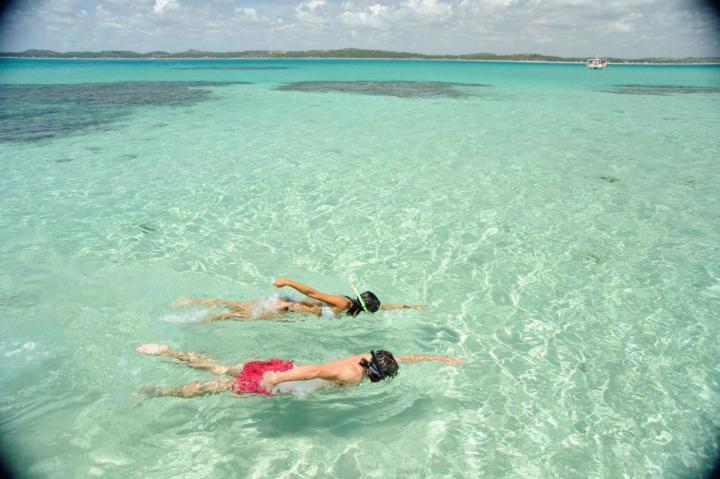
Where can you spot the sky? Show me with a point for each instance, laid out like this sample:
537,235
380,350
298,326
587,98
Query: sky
619,28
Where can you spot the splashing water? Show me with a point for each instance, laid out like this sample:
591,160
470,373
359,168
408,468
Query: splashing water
301,388
263,306
29,346
187,317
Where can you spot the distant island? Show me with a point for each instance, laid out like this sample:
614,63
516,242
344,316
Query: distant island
343,53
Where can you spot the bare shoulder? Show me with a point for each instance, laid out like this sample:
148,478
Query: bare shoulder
343,302
347,370
355,359
349,360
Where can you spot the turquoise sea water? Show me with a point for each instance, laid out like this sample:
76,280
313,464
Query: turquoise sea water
561,225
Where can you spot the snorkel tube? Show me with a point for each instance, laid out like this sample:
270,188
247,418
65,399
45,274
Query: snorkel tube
360,300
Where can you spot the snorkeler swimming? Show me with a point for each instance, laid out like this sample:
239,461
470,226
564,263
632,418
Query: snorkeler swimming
318,304
268,377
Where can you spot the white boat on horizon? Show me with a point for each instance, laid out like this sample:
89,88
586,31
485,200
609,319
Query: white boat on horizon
596,63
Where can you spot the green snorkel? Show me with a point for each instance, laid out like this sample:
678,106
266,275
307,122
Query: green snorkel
357,295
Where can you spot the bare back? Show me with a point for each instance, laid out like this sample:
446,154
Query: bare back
347,371
343,372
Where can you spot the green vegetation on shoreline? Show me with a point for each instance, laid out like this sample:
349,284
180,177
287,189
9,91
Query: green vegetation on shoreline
344,53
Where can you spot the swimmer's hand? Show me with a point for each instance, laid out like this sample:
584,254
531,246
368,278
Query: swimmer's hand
269,380
153,349
453,361
280,282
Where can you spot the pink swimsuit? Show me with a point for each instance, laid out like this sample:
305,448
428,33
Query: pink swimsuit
248,381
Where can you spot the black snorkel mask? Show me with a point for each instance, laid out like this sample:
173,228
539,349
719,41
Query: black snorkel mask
374,371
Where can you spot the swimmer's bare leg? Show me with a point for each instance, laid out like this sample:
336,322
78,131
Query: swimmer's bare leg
388,307
196,388
193,360
235,369
214,302
245,316
235,315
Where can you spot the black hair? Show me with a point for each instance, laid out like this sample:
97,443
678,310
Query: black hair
382,365
372,303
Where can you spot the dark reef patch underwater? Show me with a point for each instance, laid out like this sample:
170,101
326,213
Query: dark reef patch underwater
38,112
402,89
633,89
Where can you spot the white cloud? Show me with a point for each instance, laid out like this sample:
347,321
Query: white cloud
432,11
162,6
561,27
407,13
487,4
310,12
247,13
312,5
625,24
375,17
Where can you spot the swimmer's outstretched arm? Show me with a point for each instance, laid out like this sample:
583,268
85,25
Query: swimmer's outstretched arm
388,307
415,358
329,299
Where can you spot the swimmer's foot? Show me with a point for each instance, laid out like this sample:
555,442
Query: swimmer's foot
153,349
211,303
180,302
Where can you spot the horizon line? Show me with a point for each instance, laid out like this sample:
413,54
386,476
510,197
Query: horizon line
377,53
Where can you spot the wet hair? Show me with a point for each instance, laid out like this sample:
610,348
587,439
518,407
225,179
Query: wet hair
372,303
382,365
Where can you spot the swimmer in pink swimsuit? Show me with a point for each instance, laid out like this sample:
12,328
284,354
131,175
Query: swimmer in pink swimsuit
317,303
262,377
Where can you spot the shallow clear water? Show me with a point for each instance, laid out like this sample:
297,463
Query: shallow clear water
561,225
